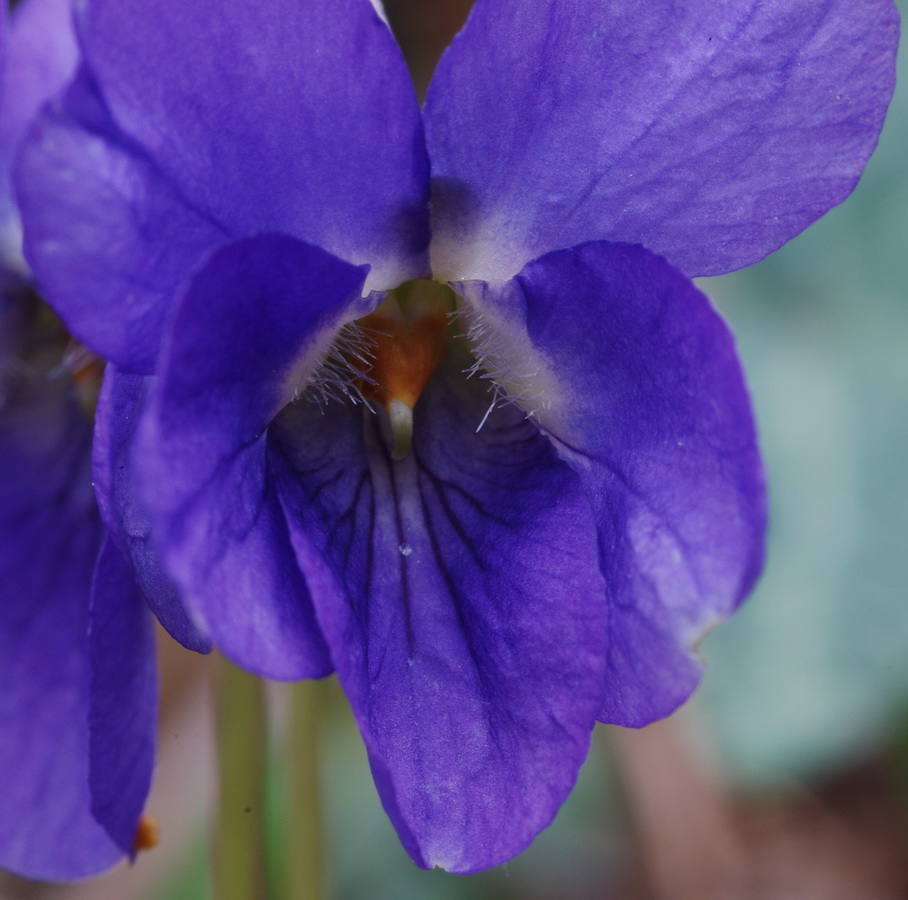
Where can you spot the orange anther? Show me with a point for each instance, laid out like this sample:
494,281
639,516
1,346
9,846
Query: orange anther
409,334
406,353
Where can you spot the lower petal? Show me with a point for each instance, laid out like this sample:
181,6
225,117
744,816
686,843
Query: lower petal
459,591
635,378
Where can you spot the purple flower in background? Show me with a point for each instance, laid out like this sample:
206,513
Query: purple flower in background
53,677
503,504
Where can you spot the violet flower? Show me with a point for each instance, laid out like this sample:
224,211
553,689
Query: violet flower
50,539
497,529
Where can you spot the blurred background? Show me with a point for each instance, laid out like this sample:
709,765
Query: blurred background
787,775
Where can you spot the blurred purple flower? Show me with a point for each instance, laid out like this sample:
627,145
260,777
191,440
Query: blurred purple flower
496,531
50,539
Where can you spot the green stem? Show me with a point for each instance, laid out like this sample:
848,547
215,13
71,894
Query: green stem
239,870
305,842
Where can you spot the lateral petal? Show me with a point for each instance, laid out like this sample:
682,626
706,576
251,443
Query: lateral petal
119,410
460,594
710,133
635,379
201,460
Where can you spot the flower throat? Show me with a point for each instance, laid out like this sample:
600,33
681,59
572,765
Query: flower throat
409,333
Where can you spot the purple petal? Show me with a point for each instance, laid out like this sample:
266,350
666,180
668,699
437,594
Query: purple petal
710,133
202,454
49,538
634,376
107,234
40,58
212,121
124,698
284,117
119,408
460,594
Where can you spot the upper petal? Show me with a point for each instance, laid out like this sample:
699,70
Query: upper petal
460,594
274,116
635,378
201,454
709,132
49,538
224,119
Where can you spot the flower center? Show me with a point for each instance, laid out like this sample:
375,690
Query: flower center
386,359
409,333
